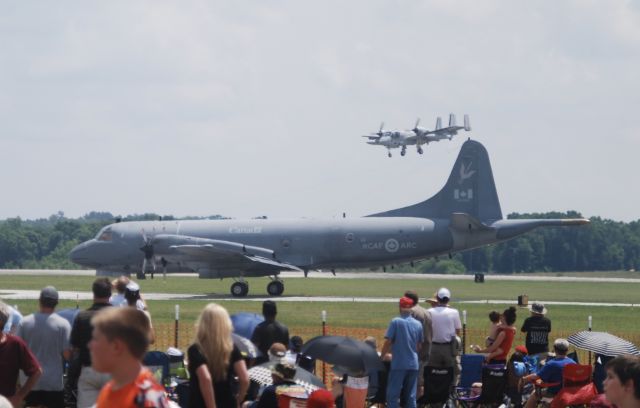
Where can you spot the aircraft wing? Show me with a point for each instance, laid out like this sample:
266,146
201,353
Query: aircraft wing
224,259
218,253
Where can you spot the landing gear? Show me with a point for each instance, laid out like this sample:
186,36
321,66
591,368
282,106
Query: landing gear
141,275
420,150
389,154
275,287
240,289
403,151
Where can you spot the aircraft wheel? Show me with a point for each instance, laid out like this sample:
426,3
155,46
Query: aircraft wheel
402,153
141,275
420,151
389,154
239,289
275,288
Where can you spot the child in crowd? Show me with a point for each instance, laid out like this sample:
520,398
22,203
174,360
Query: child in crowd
494,317
120,340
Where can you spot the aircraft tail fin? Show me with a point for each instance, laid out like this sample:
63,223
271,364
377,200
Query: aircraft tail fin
452,120
438,123
467,124
470,189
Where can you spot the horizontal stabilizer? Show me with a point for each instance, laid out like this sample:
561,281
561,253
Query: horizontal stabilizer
511,228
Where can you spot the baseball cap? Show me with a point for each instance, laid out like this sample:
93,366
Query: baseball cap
49,292
561,345
406,303
443,293
133,287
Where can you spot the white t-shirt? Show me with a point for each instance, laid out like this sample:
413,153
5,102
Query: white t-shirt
444,322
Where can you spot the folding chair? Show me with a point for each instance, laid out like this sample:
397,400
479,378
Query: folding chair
437,386
492,393
471,369
158,363
577,387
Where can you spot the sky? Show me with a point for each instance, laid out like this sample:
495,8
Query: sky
249,108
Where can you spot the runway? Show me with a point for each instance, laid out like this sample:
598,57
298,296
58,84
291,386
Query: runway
14,294
9,294
351,275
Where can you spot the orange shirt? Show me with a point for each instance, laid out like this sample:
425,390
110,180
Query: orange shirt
144,392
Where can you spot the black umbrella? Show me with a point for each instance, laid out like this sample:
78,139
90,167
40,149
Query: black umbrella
344,351
602,343
262,375
246,347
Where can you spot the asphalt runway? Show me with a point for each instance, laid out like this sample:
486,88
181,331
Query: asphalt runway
350,275
14,294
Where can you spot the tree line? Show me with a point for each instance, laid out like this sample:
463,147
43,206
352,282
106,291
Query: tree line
603,245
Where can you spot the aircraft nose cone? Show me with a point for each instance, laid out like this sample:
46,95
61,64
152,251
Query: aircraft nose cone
80,254
76,253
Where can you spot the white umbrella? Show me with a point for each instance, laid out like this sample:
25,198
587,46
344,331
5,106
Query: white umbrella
602,343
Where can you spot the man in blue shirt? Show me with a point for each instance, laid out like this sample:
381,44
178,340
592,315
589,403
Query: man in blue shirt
551,372
404,339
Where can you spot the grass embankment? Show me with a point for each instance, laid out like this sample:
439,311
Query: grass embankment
359,319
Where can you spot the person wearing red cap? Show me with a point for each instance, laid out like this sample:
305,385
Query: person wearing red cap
404,339
321,398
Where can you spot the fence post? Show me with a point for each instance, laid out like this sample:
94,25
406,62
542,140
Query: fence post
590,321
464,331
175,333
324,333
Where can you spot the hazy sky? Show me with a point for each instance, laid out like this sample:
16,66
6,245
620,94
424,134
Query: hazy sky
247,108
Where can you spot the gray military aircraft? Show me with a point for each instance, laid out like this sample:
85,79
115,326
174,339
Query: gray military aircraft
464,214
418,136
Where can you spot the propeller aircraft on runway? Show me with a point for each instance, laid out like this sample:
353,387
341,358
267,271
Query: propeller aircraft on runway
464,214
418,136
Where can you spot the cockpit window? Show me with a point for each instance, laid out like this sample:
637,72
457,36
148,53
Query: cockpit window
104,234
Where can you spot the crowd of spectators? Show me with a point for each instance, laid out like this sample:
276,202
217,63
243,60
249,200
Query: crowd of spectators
105,346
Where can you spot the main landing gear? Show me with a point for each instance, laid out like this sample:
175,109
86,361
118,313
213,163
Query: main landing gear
420,151
403,151
275,287
240,288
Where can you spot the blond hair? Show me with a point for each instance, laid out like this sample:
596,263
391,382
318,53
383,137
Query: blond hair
213,338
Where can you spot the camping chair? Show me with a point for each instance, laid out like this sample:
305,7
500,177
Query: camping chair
577,387
471,369
158,363
492,393
437,386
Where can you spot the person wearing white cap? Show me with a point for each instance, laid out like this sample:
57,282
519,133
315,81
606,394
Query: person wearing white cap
445,326
47,335
132,296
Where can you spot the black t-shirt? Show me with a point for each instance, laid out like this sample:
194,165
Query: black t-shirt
222,389
82,331
537,328
267,333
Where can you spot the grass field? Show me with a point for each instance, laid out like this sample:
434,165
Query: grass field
360,319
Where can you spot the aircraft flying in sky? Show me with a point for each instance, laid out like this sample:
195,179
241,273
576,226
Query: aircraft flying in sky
418,136
464,214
